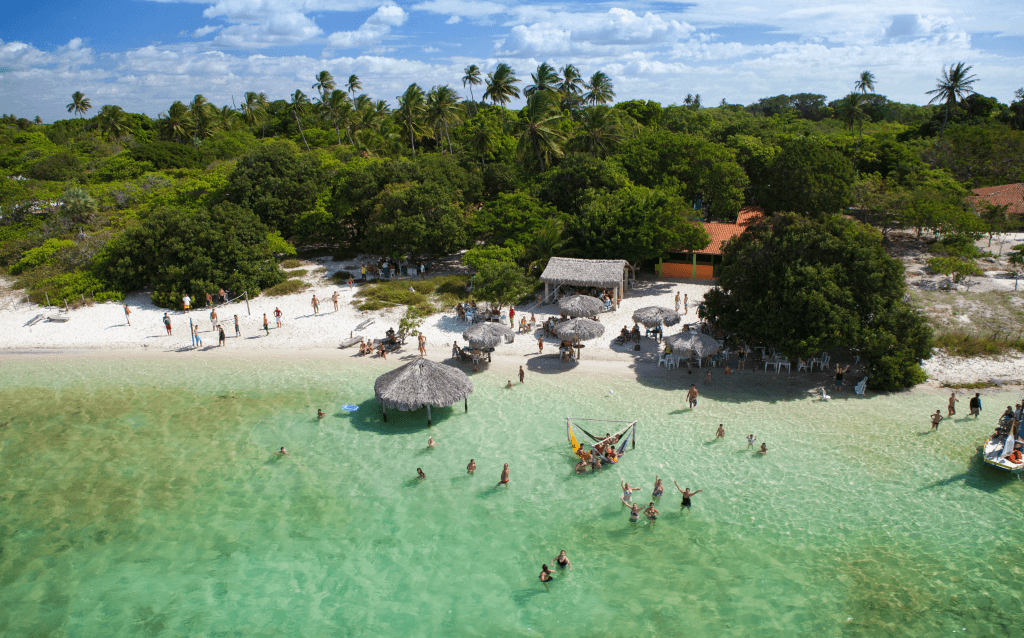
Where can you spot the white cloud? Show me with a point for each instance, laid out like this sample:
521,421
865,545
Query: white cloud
373,30
466,8
431,50
453,20
577,32
198,33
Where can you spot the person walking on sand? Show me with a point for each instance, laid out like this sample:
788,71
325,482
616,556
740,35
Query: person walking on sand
186,301
238,330
422,338
687,494
936,419
471,467
213,319
540,344
975,405
677,302
707,377
511,317
522,375
350,282
334,297
686,304
721,432
952,404
316,305
221,336
266,324
691,396
504,476
127,313
277,316
195,333
209,299
167,324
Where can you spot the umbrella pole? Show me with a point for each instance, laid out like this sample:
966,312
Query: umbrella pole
384,409
465,404
428,416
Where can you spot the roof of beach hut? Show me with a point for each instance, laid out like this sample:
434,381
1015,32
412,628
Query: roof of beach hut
488,335
603,273
585,329
580,306
422,382
653,315
702,345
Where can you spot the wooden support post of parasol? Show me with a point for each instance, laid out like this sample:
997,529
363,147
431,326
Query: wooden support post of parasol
428,415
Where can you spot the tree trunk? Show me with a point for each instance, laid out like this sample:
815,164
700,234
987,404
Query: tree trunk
297,121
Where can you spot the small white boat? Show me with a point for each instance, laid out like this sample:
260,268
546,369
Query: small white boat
997,450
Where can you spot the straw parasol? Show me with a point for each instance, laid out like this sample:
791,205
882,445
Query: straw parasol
701,344
488,335
585,329
580,306
419,383
654,315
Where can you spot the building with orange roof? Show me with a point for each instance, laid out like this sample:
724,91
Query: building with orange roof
1009,195
700,264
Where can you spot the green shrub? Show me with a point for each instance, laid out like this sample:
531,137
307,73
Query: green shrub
73,286
286,288
61,167
340,278
388,294
44,254
291,263
962,345
957,245
120,168
296,274
169,155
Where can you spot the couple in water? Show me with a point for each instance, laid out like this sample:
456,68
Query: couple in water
561,560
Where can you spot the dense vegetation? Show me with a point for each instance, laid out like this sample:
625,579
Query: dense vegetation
206,197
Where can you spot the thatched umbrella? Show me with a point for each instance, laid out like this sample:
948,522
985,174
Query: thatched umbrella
419,383
585,329
701,344
488,335
653,315
580,306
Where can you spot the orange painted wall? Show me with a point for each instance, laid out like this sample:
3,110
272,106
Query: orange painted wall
685,271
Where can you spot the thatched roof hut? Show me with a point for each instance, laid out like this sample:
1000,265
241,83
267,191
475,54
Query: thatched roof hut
600,273
580,306
585,329
422,382
488,335
651,316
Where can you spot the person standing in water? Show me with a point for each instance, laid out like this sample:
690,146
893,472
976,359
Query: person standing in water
687,494
282,452
430,442
691,396
545,575
522,375
420,474
659,489
471,467
721,432
320,413
504,476
975,405
764,449
750,440
627,493
651,513
936,419
563,561
952,404
634,513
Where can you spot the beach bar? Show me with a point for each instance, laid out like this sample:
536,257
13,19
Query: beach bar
598,273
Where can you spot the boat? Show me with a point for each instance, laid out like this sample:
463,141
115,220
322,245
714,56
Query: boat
1000,446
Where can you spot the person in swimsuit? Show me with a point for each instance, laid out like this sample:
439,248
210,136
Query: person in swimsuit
282,452
420,474
127,312
277,316
316,305
522,375
936,419
952,404
975,405
167,324
691,396
195,333
659,489
839,377
686,494
686,304
504,476
334,297
634,513
764,449
750,440
266,326
221,336
597,462
581,466
320,413
652,514
721,432
238,330
430,442
545,574
471,467
563,561
677,302
422,338
627,493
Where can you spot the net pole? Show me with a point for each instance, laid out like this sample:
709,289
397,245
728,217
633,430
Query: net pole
247,303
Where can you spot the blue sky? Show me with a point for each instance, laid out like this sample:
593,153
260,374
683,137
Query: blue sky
144,54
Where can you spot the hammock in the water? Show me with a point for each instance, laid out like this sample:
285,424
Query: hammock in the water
626,431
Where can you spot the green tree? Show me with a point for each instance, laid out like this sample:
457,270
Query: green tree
252,110
851,110
353,85
193,251
414,218
200,116
578,179
550,239
501,282
954,85
174,124
599,89
443,111
571,88
501,87
808,176
514,215
79,104
955,269
113,122
545,79
540,136
324,85
298,107
804,285
600,130
77,205
865,83
471,79
636,224
412,105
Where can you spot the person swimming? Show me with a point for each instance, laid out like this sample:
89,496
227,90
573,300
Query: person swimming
720,434
634,513
545,574
764,449
430,442
563,561
659,489
471,467
420,474
282,452
320,413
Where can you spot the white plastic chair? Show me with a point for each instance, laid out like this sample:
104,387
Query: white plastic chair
824,397
861,386
825,358
802,365
663,358
780,364
672,361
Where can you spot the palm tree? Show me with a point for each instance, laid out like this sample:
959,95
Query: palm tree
444,111
262,101
353,85
252,111
571,88
483,141
471,79
865,83
341,112
600,130
545,79
411,106
501,87
199,109
113,122
80,104
324,84
227,118
692,101
955,84
600,90
539,134
298,105
38,120
547,241
852,111
175,123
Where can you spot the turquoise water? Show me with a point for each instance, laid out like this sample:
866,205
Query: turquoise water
142,499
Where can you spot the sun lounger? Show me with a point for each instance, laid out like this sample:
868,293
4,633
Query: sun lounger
58,319
364,324
34,320
351,342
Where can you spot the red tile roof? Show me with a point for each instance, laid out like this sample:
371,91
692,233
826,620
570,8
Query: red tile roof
721,232
1008,194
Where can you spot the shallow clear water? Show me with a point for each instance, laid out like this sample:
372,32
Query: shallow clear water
142,499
